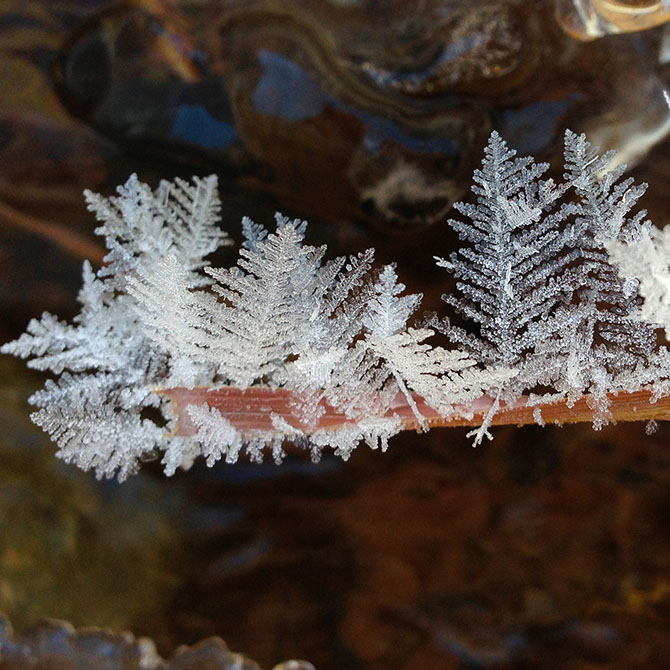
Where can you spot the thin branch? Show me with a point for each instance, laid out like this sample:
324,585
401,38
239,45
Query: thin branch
251,409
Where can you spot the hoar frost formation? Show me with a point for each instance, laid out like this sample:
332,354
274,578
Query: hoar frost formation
548,317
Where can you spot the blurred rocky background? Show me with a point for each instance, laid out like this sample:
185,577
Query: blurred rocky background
546,548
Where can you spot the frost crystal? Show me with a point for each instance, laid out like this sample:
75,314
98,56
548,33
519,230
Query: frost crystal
605,204
647,257
516,269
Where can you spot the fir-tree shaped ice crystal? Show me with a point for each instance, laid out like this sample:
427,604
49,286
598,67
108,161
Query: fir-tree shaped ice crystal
442,378
605,204
515,269
142,226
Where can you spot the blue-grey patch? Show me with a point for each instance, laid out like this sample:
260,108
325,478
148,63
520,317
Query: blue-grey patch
285,90
380,130
193,123
533,127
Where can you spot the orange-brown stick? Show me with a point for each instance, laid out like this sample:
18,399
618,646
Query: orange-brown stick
251,409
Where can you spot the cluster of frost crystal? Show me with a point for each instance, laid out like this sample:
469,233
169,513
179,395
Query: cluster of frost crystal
537,280
97,410
155,316
550,315
333,333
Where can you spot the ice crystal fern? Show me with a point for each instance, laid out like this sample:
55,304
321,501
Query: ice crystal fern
161,329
